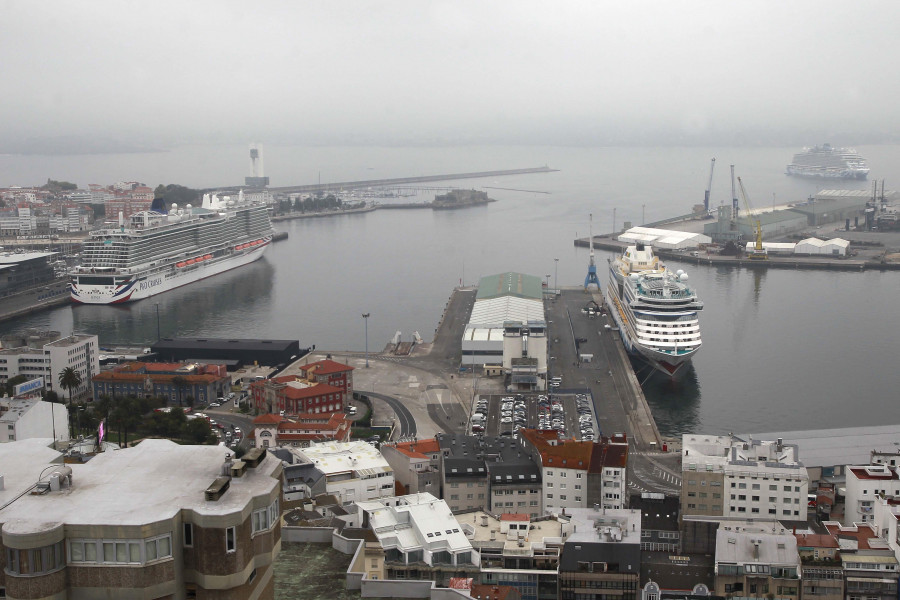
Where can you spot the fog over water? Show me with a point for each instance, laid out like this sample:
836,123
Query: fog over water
109,75
782,349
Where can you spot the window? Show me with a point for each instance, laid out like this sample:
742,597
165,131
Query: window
230,545
188,534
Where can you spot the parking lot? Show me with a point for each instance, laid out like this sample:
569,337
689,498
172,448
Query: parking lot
571,415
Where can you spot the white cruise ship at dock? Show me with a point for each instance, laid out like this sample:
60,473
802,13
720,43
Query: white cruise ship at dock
152,252
654,309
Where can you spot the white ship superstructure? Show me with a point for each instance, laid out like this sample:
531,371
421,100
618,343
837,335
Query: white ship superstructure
152,252
829,163
654,309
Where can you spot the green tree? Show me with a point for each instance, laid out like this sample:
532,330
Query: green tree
12,382
51,396
70,379
198,431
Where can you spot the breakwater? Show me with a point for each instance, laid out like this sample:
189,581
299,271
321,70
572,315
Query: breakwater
366,183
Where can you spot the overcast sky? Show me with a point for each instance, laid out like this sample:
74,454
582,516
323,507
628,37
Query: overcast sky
158,72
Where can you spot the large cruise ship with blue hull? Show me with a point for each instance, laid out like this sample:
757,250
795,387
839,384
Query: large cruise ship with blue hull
655,309
152,252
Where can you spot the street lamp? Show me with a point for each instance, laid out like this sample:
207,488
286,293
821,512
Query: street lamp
157,322
555,273
365,317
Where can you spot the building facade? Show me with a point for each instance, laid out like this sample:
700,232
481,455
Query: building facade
177,382
158,520
727,476
271,431
33,418
47,355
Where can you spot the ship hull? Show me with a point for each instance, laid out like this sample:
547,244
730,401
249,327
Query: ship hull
666,363
147,284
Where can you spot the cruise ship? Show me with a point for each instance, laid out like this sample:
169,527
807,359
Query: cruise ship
829,163
153,252
654,309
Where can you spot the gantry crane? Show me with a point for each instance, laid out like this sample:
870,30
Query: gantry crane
759,252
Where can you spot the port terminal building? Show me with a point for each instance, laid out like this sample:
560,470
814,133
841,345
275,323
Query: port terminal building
507,329
665,238
233,353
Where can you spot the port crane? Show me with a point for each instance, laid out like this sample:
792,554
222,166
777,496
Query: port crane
712,167
759,252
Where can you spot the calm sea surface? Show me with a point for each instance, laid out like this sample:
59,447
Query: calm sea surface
781,349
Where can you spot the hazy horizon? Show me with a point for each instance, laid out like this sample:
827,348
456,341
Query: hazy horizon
112,76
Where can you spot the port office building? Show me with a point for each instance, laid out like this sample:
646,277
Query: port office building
507,329
233,353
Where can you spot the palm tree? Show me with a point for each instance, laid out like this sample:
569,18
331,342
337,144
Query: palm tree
70,379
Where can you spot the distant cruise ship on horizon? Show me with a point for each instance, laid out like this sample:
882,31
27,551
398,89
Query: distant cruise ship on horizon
828,163
154,252
655,309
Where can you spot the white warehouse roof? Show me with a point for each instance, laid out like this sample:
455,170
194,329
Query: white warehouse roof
496,311
664,238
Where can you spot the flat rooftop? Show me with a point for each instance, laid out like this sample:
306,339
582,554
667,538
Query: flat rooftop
545,531
147,483
337,457
834,447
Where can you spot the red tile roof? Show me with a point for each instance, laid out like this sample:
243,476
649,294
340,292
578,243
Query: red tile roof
482,591
268,419
862,534
460,583
326,367
863,473
418,448
514,517
295,393
815,540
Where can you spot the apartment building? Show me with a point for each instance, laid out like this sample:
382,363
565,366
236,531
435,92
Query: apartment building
728,476
492,473
329,372
353,471
578,474
865,483
421,538
601,558
158,520
416,464
47,354
33,418
757,565
517,550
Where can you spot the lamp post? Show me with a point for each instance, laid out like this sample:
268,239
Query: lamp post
157,322
555,273
365,317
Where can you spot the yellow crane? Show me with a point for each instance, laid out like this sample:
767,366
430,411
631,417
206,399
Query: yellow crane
759,252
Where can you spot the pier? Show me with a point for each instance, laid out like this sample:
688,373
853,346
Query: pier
367,183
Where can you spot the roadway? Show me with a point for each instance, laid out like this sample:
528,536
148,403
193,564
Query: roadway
618,400
404,418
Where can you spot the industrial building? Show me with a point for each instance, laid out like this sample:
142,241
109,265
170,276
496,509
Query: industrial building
815,246
233,353
507,328
23,270
773,224
832,206
664,238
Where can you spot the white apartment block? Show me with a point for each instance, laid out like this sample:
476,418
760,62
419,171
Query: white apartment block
728,476
864,485
22,419
353,471
81,352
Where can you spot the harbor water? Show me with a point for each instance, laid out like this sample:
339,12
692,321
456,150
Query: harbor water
781,349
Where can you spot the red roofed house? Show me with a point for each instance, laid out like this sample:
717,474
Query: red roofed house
330,372
495,592
293,396
271,430
579,474
417,465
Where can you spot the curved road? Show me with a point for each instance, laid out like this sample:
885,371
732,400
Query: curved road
404,417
